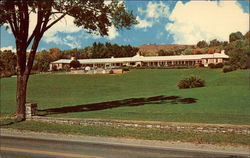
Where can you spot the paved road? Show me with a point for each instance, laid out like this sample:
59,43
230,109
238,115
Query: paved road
15,147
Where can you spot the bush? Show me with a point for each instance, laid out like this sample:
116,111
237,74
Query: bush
191,82
228,69
219,65
214,66
211,65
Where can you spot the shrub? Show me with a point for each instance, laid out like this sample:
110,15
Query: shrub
219,65
214,66
191,82
228,69
211,65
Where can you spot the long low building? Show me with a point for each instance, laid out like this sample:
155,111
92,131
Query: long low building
138,60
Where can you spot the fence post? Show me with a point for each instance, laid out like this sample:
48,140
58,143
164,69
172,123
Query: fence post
30,110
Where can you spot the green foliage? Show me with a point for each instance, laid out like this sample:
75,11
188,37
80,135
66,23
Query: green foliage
191,82
228,69
215,43
108,50
239,54
219,65
213,66
188,51
202,44
8,61
235,36
171,51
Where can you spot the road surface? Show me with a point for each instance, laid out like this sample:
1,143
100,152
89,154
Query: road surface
18,147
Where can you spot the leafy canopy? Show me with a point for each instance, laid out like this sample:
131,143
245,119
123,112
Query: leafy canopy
95,16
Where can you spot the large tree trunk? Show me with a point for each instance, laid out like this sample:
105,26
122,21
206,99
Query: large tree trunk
22,81
23,72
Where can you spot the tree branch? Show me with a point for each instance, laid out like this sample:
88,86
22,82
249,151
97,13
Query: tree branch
38,25
50,25
14,20
12,28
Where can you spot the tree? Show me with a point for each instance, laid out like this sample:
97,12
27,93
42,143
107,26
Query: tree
7,63
43,60
214,43
93,16
75,64
202,44
247,36
239,54
236,36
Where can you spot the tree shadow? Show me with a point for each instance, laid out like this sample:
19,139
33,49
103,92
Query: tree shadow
8,122
118,103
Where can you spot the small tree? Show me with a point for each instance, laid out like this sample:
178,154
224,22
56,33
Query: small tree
191,82
239,54
75,64
236,36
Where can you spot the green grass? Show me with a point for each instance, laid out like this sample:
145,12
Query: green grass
137,133
225,99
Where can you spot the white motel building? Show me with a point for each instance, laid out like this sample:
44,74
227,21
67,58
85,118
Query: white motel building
151,61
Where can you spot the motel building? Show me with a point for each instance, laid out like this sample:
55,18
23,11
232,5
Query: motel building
150,61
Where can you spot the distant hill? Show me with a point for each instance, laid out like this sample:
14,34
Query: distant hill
151,49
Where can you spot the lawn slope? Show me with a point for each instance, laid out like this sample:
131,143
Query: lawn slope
139,95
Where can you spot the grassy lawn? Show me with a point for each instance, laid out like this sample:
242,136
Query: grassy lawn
138,95
135,133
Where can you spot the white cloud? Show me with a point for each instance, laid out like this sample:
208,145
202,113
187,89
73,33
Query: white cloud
153,12
66,25
112,33
8,48
140,10
206,20
69,37
157,10
143,23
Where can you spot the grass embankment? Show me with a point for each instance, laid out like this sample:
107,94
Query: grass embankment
136,96
135,133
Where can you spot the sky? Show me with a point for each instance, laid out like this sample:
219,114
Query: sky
160,22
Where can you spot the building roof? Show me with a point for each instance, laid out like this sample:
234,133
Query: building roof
138,58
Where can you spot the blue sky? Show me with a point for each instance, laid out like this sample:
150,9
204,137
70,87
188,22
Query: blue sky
161,22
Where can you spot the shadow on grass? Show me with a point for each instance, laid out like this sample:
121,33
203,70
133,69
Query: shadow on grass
8,122
118,103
